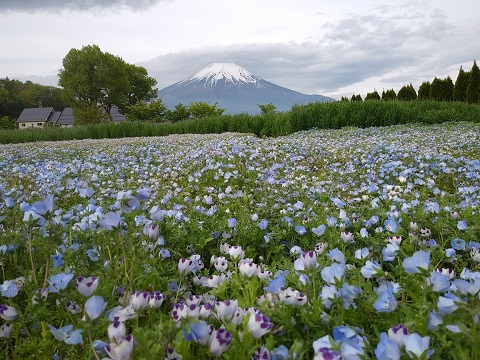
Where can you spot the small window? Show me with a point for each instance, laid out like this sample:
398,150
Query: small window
39,124
23,124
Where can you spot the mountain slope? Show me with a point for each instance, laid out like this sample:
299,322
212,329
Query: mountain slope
235,89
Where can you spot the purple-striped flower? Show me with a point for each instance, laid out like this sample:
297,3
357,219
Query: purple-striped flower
219,341
259,324
7,313
86,286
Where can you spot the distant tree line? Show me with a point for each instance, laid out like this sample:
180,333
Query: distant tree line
16,95
465,89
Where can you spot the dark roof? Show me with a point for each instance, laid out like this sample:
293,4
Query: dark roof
116,115
35,114
66,118
53,118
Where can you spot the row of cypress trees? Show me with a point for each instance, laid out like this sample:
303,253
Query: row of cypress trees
465,89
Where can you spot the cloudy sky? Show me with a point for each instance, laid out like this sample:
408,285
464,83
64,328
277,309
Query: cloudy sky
333,48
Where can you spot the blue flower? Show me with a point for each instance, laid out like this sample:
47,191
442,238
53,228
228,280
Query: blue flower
262,225
419,260
447,304
417,345
67,334
386,302
280,353
9,202
390,225
462,225
333,273
439,281
9,289
458,244
197,331
57,260
232,222
300,229
94,306
319,230
387,349
111,220
59,282
275,284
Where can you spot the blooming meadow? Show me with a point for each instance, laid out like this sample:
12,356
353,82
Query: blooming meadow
325,244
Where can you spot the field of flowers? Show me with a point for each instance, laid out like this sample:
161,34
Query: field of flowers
325,244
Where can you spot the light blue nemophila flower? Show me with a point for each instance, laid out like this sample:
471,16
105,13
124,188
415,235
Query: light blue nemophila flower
387,349
5,330
333,273
462,225
8,313
386,301
319,230
391,225
232,222
110,220
371,269
275,284
440,282
418,261
448,304
300,230
95,306
67,334
280,353
262,225
57,260
458,244
415,345
59,282
8,289
198,331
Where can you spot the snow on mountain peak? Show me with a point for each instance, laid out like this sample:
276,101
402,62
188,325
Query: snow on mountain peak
226,72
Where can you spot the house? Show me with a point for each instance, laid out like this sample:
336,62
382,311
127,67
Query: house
38,117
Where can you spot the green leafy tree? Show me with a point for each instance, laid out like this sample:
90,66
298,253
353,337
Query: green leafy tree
373,96
441,90
89,115
181,112
344,99
269,108
203,109
356,98
91,78
389,95
7,124
407,93
424,91
473,88
461,84
155,111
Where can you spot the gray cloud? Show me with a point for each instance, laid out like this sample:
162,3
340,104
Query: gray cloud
392,46
31,6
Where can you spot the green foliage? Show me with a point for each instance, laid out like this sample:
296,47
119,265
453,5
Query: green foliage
344,98
181,112
389,95
155,111
7,124
424,91
441,90
16,95
407,93
267,108
203,109
461,84
473,88
301,117
91,77
373,96
356,98
89,115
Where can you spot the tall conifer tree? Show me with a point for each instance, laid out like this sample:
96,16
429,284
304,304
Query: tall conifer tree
473,88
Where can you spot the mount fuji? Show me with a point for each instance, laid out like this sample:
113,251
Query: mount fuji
235,89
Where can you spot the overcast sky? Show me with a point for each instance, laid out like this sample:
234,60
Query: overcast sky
332,48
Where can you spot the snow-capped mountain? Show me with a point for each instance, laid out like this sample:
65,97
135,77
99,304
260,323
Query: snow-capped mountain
235,89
